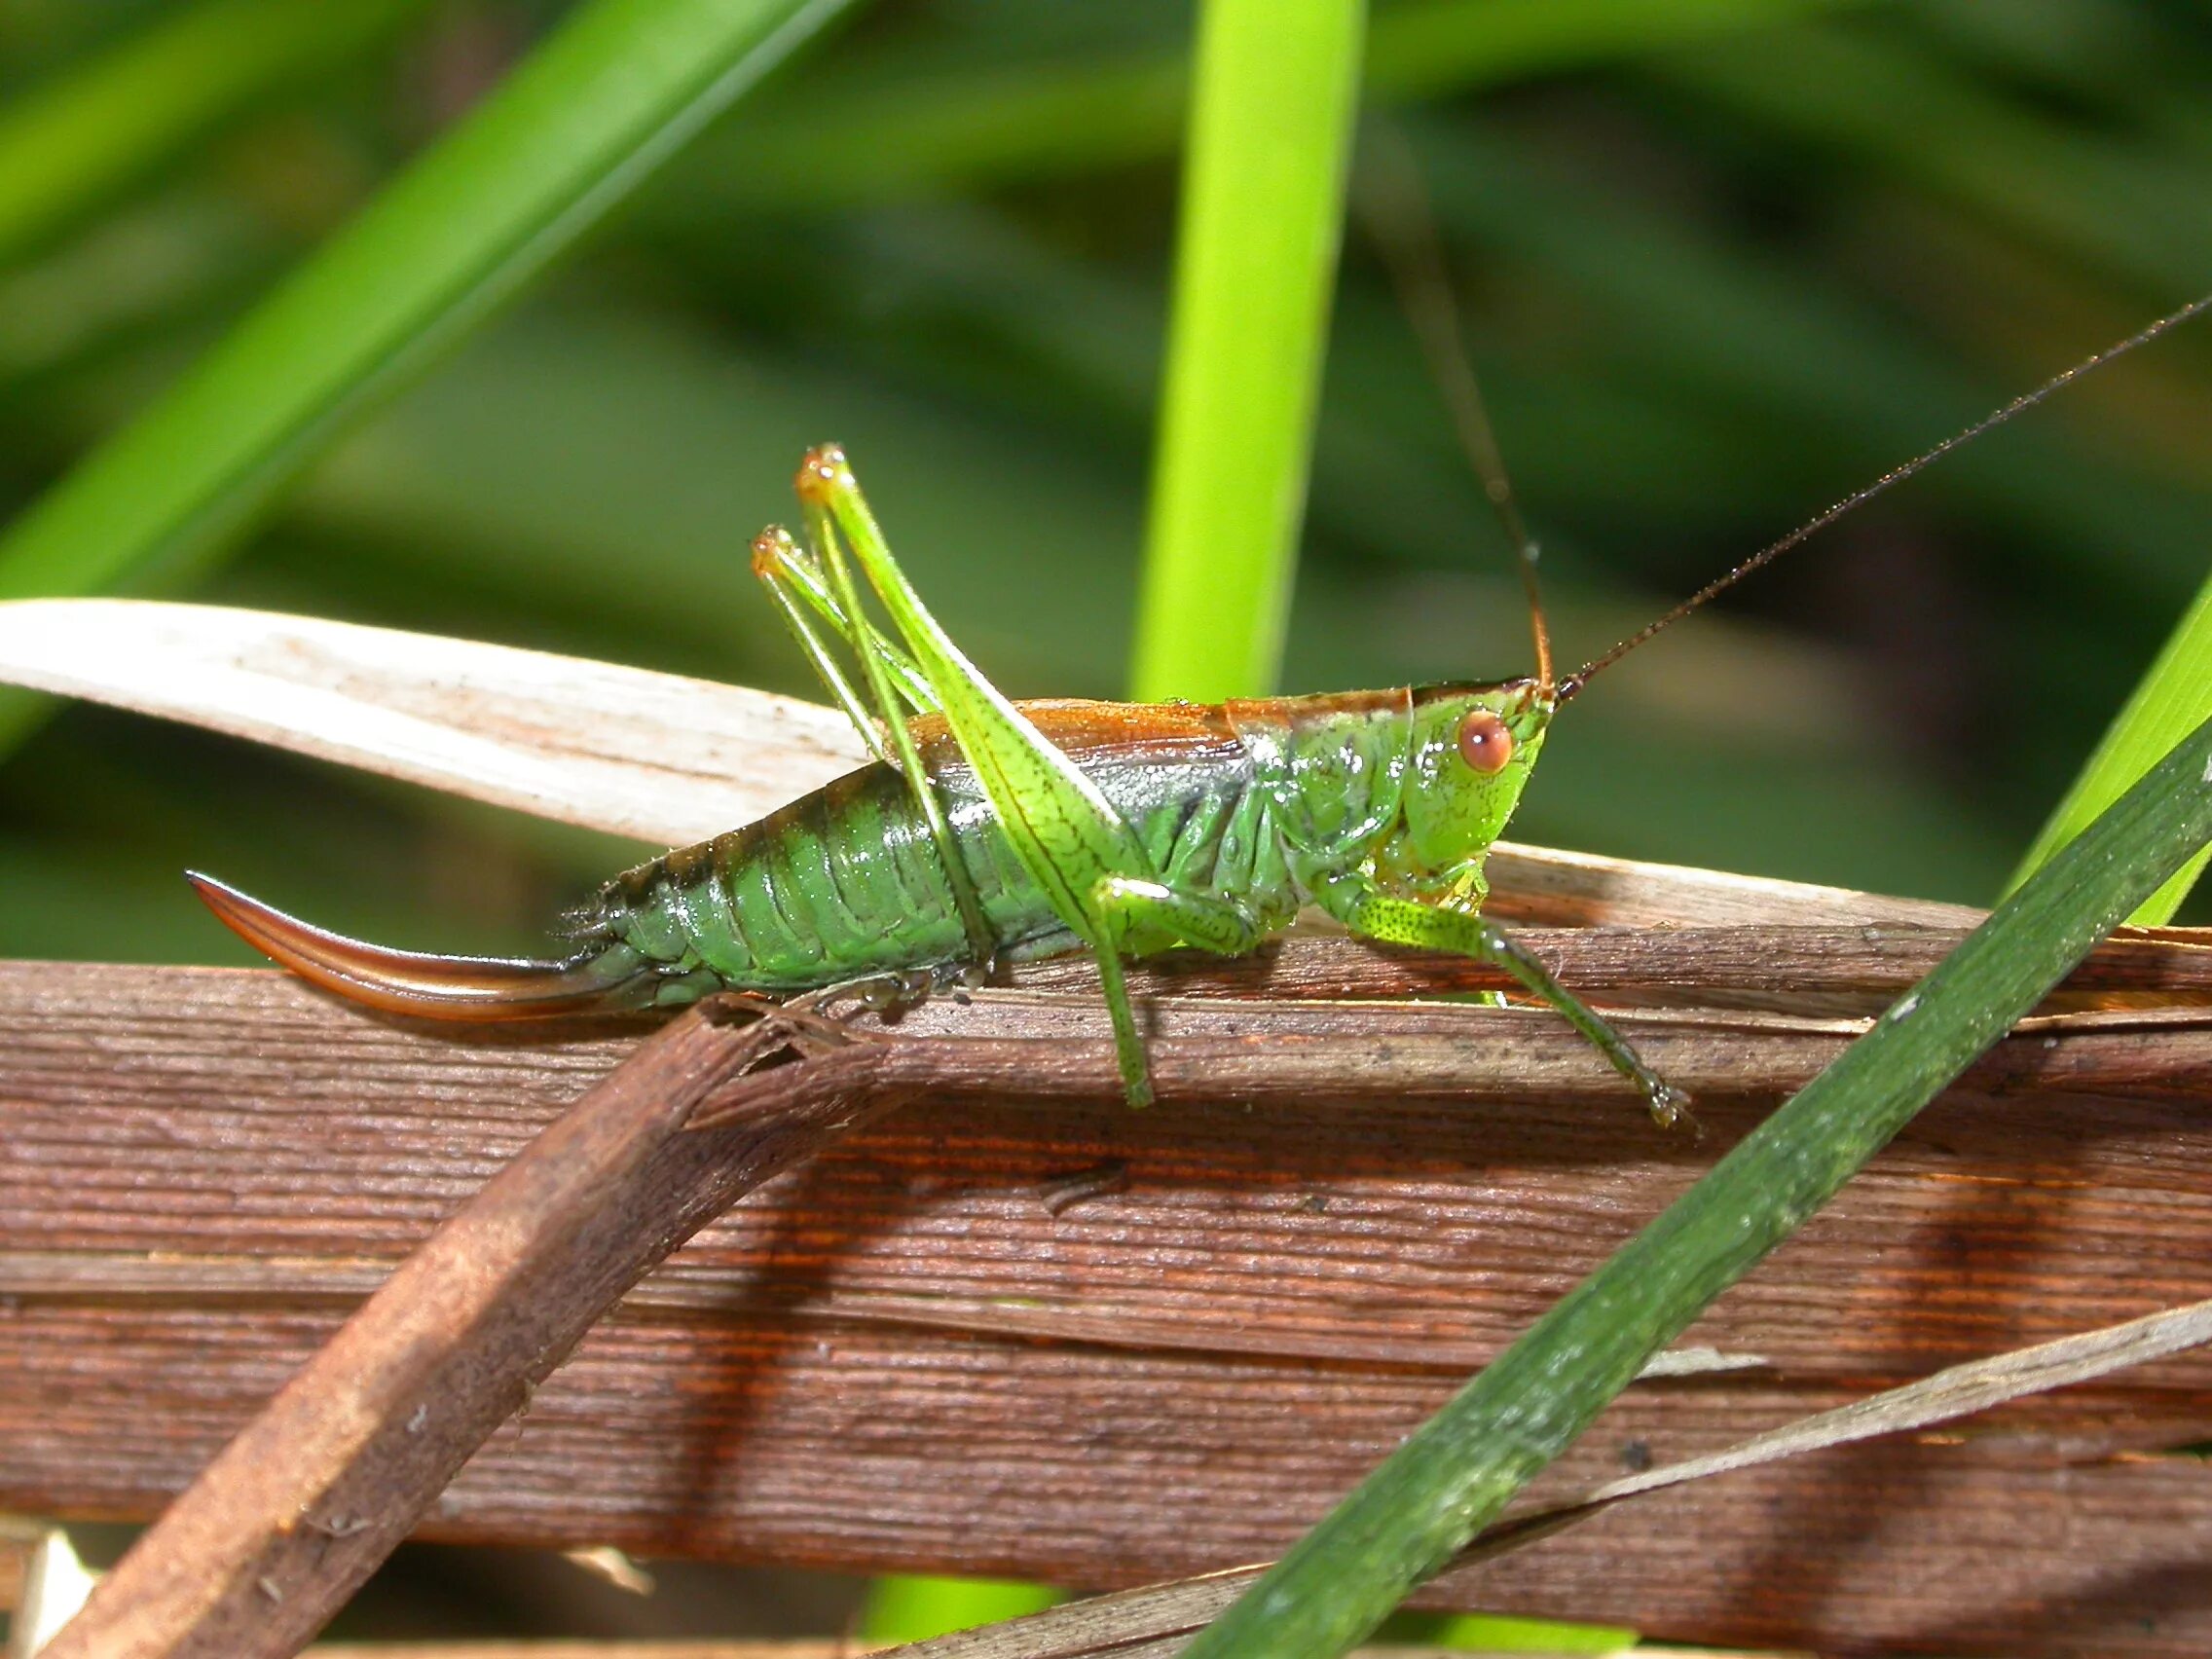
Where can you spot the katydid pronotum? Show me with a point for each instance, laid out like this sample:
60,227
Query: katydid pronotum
987,831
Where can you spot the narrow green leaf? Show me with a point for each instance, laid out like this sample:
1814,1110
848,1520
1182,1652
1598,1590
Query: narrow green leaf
2172,697
69,146
570,133
911,1608
1404,1522
1497,1632
1263,213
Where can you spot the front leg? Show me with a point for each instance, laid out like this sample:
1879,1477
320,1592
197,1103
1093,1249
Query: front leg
1373,915
1144,916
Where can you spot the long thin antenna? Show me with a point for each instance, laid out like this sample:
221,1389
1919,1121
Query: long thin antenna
1394,208
1583,675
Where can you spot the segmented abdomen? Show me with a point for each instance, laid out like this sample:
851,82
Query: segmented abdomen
847,881
843,882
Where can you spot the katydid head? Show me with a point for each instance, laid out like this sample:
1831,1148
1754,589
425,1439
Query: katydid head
1473,747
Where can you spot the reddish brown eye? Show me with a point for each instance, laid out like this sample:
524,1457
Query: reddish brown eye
1483,742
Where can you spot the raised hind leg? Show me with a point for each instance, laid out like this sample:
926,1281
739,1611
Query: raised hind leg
809,600
795,579
1066,834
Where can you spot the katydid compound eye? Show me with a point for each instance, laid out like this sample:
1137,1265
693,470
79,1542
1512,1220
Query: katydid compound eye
1483,742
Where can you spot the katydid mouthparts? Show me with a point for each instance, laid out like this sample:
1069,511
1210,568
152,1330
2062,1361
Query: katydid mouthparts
986,831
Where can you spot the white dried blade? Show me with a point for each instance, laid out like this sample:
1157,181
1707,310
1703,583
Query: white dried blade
666,759
1956,1392
56,1585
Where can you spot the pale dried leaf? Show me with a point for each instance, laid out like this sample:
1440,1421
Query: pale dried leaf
667,759
1956,1392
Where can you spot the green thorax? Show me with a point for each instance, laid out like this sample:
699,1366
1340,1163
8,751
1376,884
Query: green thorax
1410,786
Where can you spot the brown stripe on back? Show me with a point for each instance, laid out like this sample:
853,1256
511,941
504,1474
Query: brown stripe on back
1083,729
1319,705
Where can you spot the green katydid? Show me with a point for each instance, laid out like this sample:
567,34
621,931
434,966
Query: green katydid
987,831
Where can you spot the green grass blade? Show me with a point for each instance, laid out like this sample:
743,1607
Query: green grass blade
911,1608
68,147
1404,1522
571,132
1497,1632
2172,697
1263,213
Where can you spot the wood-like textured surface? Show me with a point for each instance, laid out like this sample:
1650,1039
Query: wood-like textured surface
267,1542
1067,1341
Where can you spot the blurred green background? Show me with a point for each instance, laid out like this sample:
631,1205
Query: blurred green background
1721,262
1720,265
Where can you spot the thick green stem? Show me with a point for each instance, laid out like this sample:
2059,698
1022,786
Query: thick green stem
1262,212
2173,696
